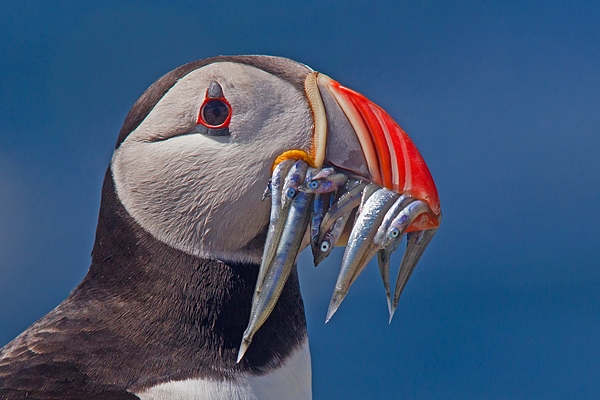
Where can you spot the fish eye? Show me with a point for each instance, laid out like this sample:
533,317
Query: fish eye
291,192
394,233
313,185
325,246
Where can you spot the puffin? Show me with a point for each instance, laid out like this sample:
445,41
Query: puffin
182,226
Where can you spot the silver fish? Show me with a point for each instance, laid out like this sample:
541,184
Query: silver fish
328,239
358,251
416,244
325,200
324,181
276,226
399,217
348,200
293,181
267,192
382,220
366,193
383,261
276,272
320,206
384,250
335,220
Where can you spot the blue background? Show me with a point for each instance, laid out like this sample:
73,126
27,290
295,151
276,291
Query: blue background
502,99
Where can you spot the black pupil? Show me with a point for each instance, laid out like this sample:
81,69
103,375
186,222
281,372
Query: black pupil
215,112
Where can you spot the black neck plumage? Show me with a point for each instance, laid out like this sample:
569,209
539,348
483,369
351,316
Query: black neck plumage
148,313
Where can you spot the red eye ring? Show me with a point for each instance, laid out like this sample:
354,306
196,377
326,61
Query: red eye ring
212,106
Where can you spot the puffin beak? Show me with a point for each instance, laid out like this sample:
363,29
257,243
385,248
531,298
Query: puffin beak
369,167
363,140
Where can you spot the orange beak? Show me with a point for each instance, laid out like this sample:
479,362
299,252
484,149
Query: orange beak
361,138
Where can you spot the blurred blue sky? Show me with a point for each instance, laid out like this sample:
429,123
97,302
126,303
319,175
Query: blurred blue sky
502,99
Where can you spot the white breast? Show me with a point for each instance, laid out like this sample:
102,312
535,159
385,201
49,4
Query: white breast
292,381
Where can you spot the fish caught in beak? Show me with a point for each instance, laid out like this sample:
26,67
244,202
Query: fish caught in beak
362,175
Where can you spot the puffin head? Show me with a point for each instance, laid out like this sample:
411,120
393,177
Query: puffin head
198,148
191,166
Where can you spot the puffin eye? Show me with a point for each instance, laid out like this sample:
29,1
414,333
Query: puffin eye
215,112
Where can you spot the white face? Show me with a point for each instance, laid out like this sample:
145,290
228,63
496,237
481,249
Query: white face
202,194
